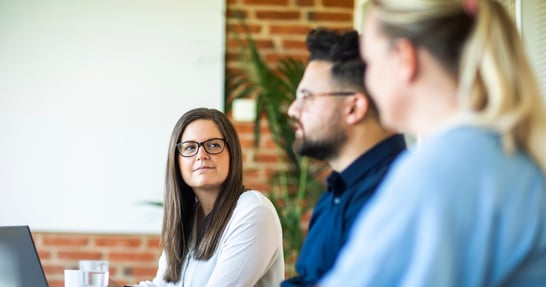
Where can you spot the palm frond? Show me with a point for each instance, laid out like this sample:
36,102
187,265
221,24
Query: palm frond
295,183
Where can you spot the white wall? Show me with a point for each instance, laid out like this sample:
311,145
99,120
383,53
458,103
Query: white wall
533,29
89,94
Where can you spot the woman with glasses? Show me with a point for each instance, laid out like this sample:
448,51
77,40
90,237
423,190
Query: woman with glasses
215,231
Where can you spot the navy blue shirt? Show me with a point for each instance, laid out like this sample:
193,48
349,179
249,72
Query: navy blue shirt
338,207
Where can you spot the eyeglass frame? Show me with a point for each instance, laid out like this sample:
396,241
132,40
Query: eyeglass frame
303,95
178,146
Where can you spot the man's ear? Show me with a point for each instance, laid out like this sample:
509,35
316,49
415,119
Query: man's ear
357,108
406,54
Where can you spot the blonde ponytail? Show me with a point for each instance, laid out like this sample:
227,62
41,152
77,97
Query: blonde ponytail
497,85
482,48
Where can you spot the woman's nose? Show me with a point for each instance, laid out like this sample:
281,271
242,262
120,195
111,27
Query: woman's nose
202,153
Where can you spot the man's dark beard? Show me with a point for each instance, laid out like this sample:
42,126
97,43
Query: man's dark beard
324,149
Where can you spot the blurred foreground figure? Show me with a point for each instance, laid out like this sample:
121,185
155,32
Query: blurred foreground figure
468,206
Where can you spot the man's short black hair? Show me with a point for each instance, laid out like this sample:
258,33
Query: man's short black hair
333,46
342,49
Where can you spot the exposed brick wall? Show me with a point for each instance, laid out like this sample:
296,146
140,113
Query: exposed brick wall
132,258
279,28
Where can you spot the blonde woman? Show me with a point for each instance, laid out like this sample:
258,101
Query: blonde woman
468,206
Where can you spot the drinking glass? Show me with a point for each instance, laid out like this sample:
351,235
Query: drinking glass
94,273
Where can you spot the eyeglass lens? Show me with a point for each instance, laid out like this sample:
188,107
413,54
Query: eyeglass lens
191,148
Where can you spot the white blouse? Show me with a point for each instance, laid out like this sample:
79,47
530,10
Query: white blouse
249,253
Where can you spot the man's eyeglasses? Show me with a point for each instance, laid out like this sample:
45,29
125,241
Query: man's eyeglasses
191,148
302,95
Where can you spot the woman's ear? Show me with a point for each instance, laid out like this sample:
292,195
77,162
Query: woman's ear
357,108
406,54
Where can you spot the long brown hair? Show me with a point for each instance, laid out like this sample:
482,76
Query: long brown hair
180,200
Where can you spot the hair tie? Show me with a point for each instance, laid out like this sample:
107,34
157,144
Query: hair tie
470,7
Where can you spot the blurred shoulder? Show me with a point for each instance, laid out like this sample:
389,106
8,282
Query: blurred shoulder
457,146
460,159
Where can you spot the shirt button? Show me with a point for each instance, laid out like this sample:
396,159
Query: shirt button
336,200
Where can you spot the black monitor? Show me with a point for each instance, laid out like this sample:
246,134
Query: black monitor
20,264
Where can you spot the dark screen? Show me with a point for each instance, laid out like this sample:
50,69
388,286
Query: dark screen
20,265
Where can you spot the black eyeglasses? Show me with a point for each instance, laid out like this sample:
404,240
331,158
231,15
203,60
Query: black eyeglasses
302,95
191,148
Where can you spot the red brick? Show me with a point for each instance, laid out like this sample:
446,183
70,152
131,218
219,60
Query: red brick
265,188
268,144
341,28
80,255
251,173
255,181
275,58
154,242
45,254
260,44
278,15
267,2
236,13
112,270
271,172
294,44
307,216
233,44
265,158
133,256
247,143
290,30
232,27
55,283
339,3
70,264
37,237
54,269
234,65
63,240
141,271
245,135
234,70
233,57
245,139
264,130
305,2
244,128
330,16
118,242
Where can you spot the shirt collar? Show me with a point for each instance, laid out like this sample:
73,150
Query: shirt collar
365,162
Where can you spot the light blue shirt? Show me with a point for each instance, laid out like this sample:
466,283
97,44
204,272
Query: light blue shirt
458,211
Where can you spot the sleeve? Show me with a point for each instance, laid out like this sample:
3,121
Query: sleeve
406,236
250,248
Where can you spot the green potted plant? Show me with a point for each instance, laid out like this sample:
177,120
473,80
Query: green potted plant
296,183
